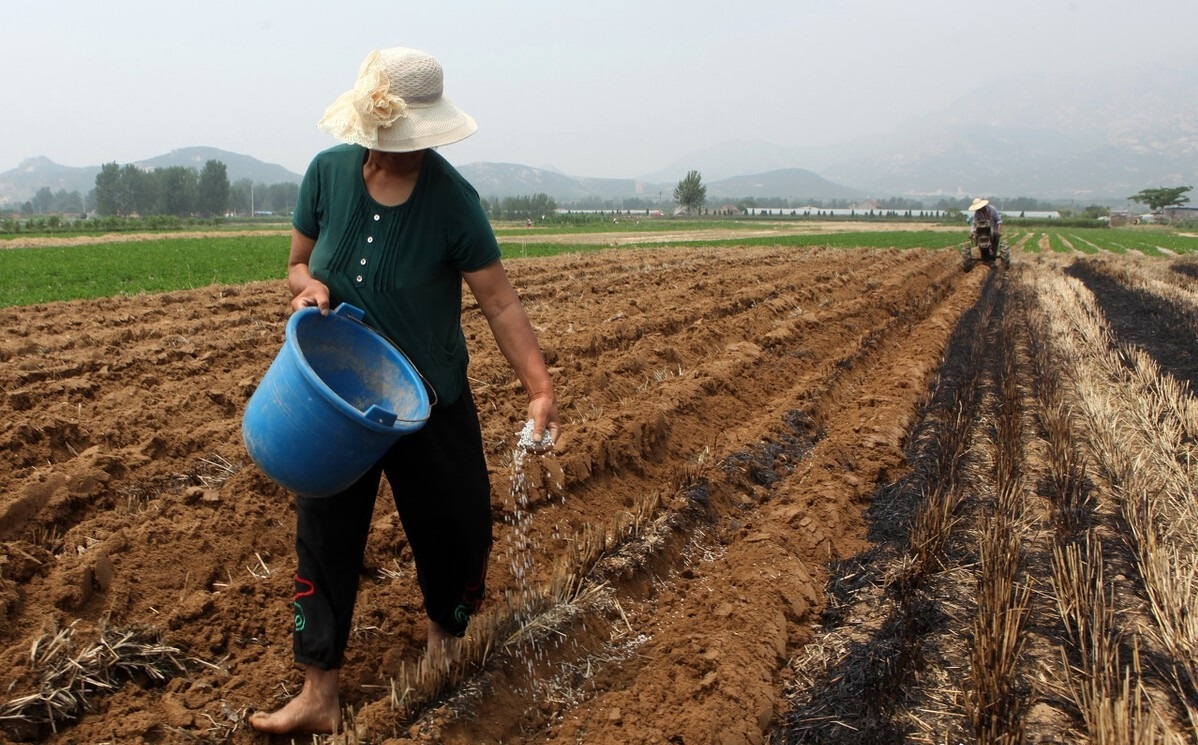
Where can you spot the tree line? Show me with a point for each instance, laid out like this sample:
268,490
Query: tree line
176,191
184,192
532,207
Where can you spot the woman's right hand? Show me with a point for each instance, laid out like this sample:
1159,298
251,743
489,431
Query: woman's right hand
306,291
546,429
314,295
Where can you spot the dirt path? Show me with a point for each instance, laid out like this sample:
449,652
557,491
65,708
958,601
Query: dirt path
744,428
631,235
89,240
535,235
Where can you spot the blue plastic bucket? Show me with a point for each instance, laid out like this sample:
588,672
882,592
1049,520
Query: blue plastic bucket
334,400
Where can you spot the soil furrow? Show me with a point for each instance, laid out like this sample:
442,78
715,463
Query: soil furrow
749,548
798,495
876,633
1169,337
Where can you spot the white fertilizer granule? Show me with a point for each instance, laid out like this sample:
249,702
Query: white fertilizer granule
526,442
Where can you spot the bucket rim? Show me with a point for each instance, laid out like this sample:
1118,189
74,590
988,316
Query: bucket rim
290,339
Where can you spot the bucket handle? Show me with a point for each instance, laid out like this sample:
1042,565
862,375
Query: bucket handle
356,314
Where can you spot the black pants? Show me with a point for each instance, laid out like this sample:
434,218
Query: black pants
438,475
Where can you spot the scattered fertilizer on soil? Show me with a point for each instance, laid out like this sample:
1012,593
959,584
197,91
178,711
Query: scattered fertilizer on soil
519,548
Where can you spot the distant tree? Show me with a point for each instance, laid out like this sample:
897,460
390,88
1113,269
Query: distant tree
121,191
280,198
135,191
212,190
67,201
42,200
690,193
541,205
107,191
246,196
1157,199
240,195
1027,204
526,207
175,191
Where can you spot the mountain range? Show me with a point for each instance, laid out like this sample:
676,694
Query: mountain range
509,179
1090,139
492,180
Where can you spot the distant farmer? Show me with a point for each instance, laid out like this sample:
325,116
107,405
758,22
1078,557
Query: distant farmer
982,212
385,223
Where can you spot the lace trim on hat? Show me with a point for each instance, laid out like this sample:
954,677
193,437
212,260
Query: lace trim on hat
357,115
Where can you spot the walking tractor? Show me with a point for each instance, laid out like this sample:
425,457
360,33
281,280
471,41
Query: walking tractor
988,245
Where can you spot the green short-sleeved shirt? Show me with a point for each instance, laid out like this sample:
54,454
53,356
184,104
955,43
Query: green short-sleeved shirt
401,265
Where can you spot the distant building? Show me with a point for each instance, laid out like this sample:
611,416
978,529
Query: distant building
1180,214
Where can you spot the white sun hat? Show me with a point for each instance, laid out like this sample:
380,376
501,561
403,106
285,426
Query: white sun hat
978,204
397,105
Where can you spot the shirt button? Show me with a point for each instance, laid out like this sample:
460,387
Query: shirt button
362,262
370,239
359,278
376,218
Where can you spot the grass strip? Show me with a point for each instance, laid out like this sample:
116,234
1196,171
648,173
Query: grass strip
1057,244
39,275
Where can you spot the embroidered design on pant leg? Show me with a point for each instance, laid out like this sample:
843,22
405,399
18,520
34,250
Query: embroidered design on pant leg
304,588
472,598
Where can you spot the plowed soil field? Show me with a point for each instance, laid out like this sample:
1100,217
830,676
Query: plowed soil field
802,495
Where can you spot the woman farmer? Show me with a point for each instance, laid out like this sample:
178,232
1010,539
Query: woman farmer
386,224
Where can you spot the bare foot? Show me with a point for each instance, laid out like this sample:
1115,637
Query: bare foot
443,650
316,710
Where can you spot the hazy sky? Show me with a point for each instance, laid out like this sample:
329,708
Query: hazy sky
617,88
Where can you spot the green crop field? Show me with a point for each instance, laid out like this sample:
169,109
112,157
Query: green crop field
38,275
126,267
1152,242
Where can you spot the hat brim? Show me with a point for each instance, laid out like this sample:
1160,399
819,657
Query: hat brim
978,204
425,125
